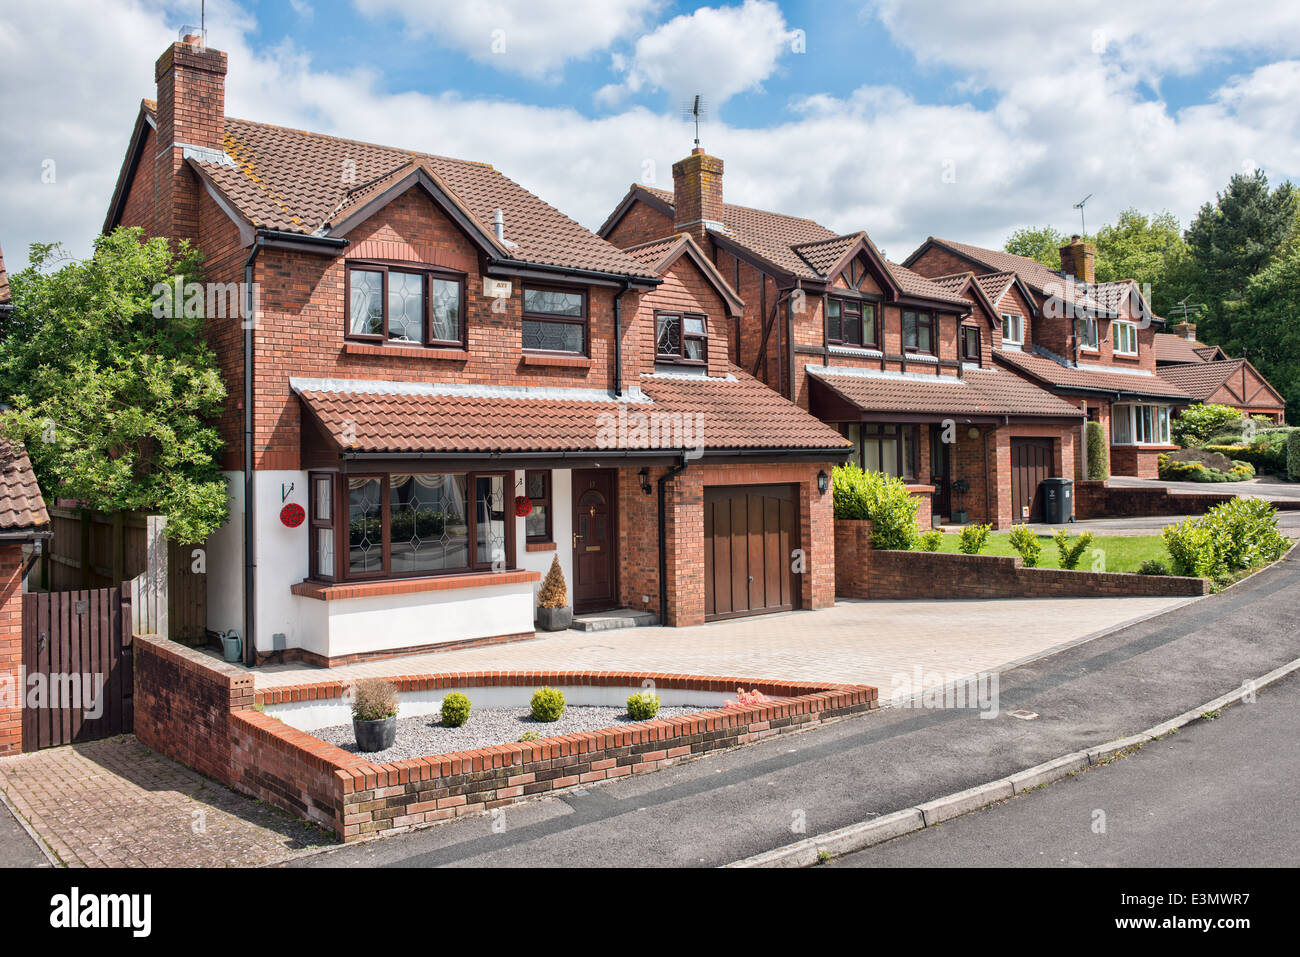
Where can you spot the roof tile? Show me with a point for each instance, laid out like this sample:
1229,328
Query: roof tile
21,505
983,392
1055,375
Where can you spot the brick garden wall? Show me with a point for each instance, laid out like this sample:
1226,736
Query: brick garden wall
199,711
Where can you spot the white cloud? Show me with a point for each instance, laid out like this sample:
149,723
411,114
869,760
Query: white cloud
716,51
533,38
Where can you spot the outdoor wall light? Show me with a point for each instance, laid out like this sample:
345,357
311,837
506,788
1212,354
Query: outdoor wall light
823,481
644,476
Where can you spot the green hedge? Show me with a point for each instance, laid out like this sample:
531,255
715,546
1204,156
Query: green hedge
1268,453
883,500
1236,535
1098,453
1293,456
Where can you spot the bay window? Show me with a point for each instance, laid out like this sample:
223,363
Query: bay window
1137,424
554,320
1125,336
890,449
404,305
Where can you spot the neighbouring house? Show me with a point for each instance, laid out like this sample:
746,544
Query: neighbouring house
444,382
1207,374
6,300
1089,343
23,522
899,364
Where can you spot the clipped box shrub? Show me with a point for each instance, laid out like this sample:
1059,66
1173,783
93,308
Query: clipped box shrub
1026,543
642,706
547,704
1098,453
973,539
931,540
455,710
1153,566
882,499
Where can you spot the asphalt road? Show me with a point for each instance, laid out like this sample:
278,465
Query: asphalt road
729,806
1218,793
17,849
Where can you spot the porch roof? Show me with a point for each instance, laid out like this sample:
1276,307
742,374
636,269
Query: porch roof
983,393
1122,383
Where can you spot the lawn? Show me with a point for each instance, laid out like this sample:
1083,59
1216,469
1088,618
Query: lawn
1122,553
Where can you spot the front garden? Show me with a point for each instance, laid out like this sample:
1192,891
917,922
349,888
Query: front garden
1219,444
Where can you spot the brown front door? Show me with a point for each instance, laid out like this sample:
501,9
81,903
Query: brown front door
749,533
593,539
1031,462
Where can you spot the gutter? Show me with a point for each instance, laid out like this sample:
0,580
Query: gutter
663,536
820,453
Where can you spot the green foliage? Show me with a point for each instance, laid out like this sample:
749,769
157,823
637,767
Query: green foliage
1040,243
530,736
1151,251
1197,423
931,540
1236,236
374,699
112,403
1026,543
1069,554
1265,327
1173,470
1266,454
455,710
882,499
1153,566
1239,534
973,539
547,704
1098,453
642,706
1293,456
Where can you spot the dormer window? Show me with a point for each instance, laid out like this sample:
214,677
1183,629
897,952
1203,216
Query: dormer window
404,305
1086,330
918,332
681,337
850,322
1125,335
1013,329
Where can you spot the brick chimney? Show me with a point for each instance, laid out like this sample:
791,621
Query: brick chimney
1079,259
1185,329
697,195
191,112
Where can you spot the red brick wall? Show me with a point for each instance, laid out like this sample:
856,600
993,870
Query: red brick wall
191,110
137,210
1139,461
11,648
683,288
640,224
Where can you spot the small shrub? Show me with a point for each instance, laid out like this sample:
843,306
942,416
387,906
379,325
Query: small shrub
1243,534
1195,424
642,706
1024,541
455,710
882,499
374,699
1267,453
1293,456
530,736
1190,548
1153,566
1067,553
931,540
553,593
1098,453
1198,465
973,539
547,704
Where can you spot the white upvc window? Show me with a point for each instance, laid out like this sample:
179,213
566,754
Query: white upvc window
1139,424
1125,336
1013,329
1086,330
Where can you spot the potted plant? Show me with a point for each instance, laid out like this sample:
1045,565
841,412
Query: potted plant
374,714
959,515
553,611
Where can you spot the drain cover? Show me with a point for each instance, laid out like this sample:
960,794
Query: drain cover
1023,715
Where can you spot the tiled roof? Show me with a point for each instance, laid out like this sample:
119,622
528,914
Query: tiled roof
995,284
21,505
737,413
1200,380
1172,348
984,392
1211,353
4,281
1054,374
659,254
652,253
1031,272
803,247
300,182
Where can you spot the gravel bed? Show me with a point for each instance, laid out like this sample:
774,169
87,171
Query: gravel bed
423,735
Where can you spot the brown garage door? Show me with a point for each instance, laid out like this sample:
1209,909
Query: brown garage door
1031,462
749,532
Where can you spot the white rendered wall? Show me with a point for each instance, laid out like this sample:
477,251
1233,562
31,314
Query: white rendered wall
225,563
561,532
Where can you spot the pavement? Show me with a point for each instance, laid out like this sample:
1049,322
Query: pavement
739,803
1219,793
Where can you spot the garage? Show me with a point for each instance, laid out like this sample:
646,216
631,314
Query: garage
749,532
1031,462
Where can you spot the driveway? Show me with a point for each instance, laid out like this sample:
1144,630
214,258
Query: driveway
1268,487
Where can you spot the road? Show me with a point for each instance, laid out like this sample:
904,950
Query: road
1218,793
730,806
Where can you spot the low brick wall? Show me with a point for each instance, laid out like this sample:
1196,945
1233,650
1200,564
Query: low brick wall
1099,500
864,572
201,712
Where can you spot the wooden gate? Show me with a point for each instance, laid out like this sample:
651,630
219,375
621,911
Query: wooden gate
77,659
1031,462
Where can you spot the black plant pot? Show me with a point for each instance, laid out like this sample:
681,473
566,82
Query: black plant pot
554,619
375,735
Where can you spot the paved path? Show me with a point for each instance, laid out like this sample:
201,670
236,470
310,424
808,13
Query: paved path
115,803
743,802
1218,793
855,641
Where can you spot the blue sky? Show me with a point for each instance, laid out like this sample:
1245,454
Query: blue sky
907,118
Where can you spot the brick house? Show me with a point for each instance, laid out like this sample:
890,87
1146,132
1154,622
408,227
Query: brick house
23,521
1209,376
434,350
1089,343
899,364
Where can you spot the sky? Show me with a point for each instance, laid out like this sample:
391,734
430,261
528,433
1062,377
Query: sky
963,119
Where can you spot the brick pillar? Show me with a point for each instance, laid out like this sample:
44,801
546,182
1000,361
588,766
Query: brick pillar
11,649
697,195
191,112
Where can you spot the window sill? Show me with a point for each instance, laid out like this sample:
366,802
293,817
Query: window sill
867,352
405,352
921,357
541,546
562,362
334,591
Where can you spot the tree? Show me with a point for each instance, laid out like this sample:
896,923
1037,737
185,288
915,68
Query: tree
1040,243
1150,251
1269,322
112,400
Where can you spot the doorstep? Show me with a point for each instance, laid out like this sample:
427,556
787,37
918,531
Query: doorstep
619,618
